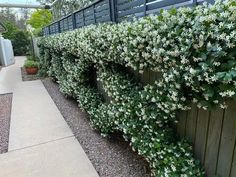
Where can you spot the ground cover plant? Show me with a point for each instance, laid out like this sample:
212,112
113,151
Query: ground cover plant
193,48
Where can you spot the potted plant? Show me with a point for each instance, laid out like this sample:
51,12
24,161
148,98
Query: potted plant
31,67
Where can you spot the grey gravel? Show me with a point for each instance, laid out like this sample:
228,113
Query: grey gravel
111,157
5,115
28,77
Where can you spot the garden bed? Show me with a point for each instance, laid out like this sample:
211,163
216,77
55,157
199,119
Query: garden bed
110,156
28,77
5,115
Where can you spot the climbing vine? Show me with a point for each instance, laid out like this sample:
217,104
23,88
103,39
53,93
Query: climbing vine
193,48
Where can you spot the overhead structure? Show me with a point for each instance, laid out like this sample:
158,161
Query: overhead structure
13,5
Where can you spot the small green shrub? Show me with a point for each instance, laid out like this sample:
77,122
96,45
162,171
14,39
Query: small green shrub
32,58
30,64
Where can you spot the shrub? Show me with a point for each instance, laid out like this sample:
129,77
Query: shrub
30,64
193,48
21,43
20,39
32,58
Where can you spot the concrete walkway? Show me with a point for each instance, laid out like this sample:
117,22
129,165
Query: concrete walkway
40,142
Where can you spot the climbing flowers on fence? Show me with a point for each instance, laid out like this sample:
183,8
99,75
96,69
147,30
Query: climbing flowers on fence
194,50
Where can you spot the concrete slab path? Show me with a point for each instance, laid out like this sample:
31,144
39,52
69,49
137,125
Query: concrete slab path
40,142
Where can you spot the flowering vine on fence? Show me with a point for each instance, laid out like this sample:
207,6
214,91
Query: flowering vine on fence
193,48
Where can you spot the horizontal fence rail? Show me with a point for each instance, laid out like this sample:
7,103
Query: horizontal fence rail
114,11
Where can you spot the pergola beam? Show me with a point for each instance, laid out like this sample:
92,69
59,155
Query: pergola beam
11,5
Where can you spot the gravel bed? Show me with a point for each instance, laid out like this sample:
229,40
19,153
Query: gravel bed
5,115
28,77
111,157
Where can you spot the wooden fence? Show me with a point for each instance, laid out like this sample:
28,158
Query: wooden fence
213,135
114,11
212,132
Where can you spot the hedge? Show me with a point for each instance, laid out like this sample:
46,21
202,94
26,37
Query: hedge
193,48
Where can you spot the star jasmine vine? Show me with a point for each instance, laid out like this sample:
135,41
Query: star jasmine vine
193,49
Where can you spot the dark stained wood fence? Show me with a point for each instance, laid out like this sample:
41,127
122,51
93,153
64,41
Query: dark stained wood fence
213,135
114,11
212,132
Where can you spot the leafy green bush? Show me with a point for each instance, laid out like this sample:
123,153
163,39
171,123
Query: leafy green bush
193,48
20,39
21,43
30,64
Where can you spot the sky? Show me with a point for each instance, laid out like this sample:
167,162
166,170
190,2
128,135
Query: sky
20,1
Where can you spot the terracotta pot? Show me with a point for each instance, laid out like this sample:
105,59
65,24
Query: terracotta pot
31,70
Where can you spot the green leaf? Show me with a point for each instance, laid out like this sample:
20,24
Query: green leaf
220,75
233,73
210,93
203,56
173,11
228,77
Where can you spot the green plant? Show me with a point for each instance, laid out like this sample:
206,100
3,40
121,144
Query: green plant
32,58
193,48
20,39
30,64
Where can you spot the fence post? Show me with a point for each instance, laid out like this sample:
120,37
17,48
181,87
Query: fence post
145,7
94,16
67,24
73,20
49,30
113,10
83,17
59,26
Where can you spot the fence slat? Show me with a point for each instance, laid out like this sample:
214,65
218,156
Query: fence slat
227,141
88,12
191,123
122,1
213,141
161,4
89,18
101,3
102,8
80,20
131,11
181,126
144,77
153,77
103,13
201,134
89,22
233,168
103,19
130,5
